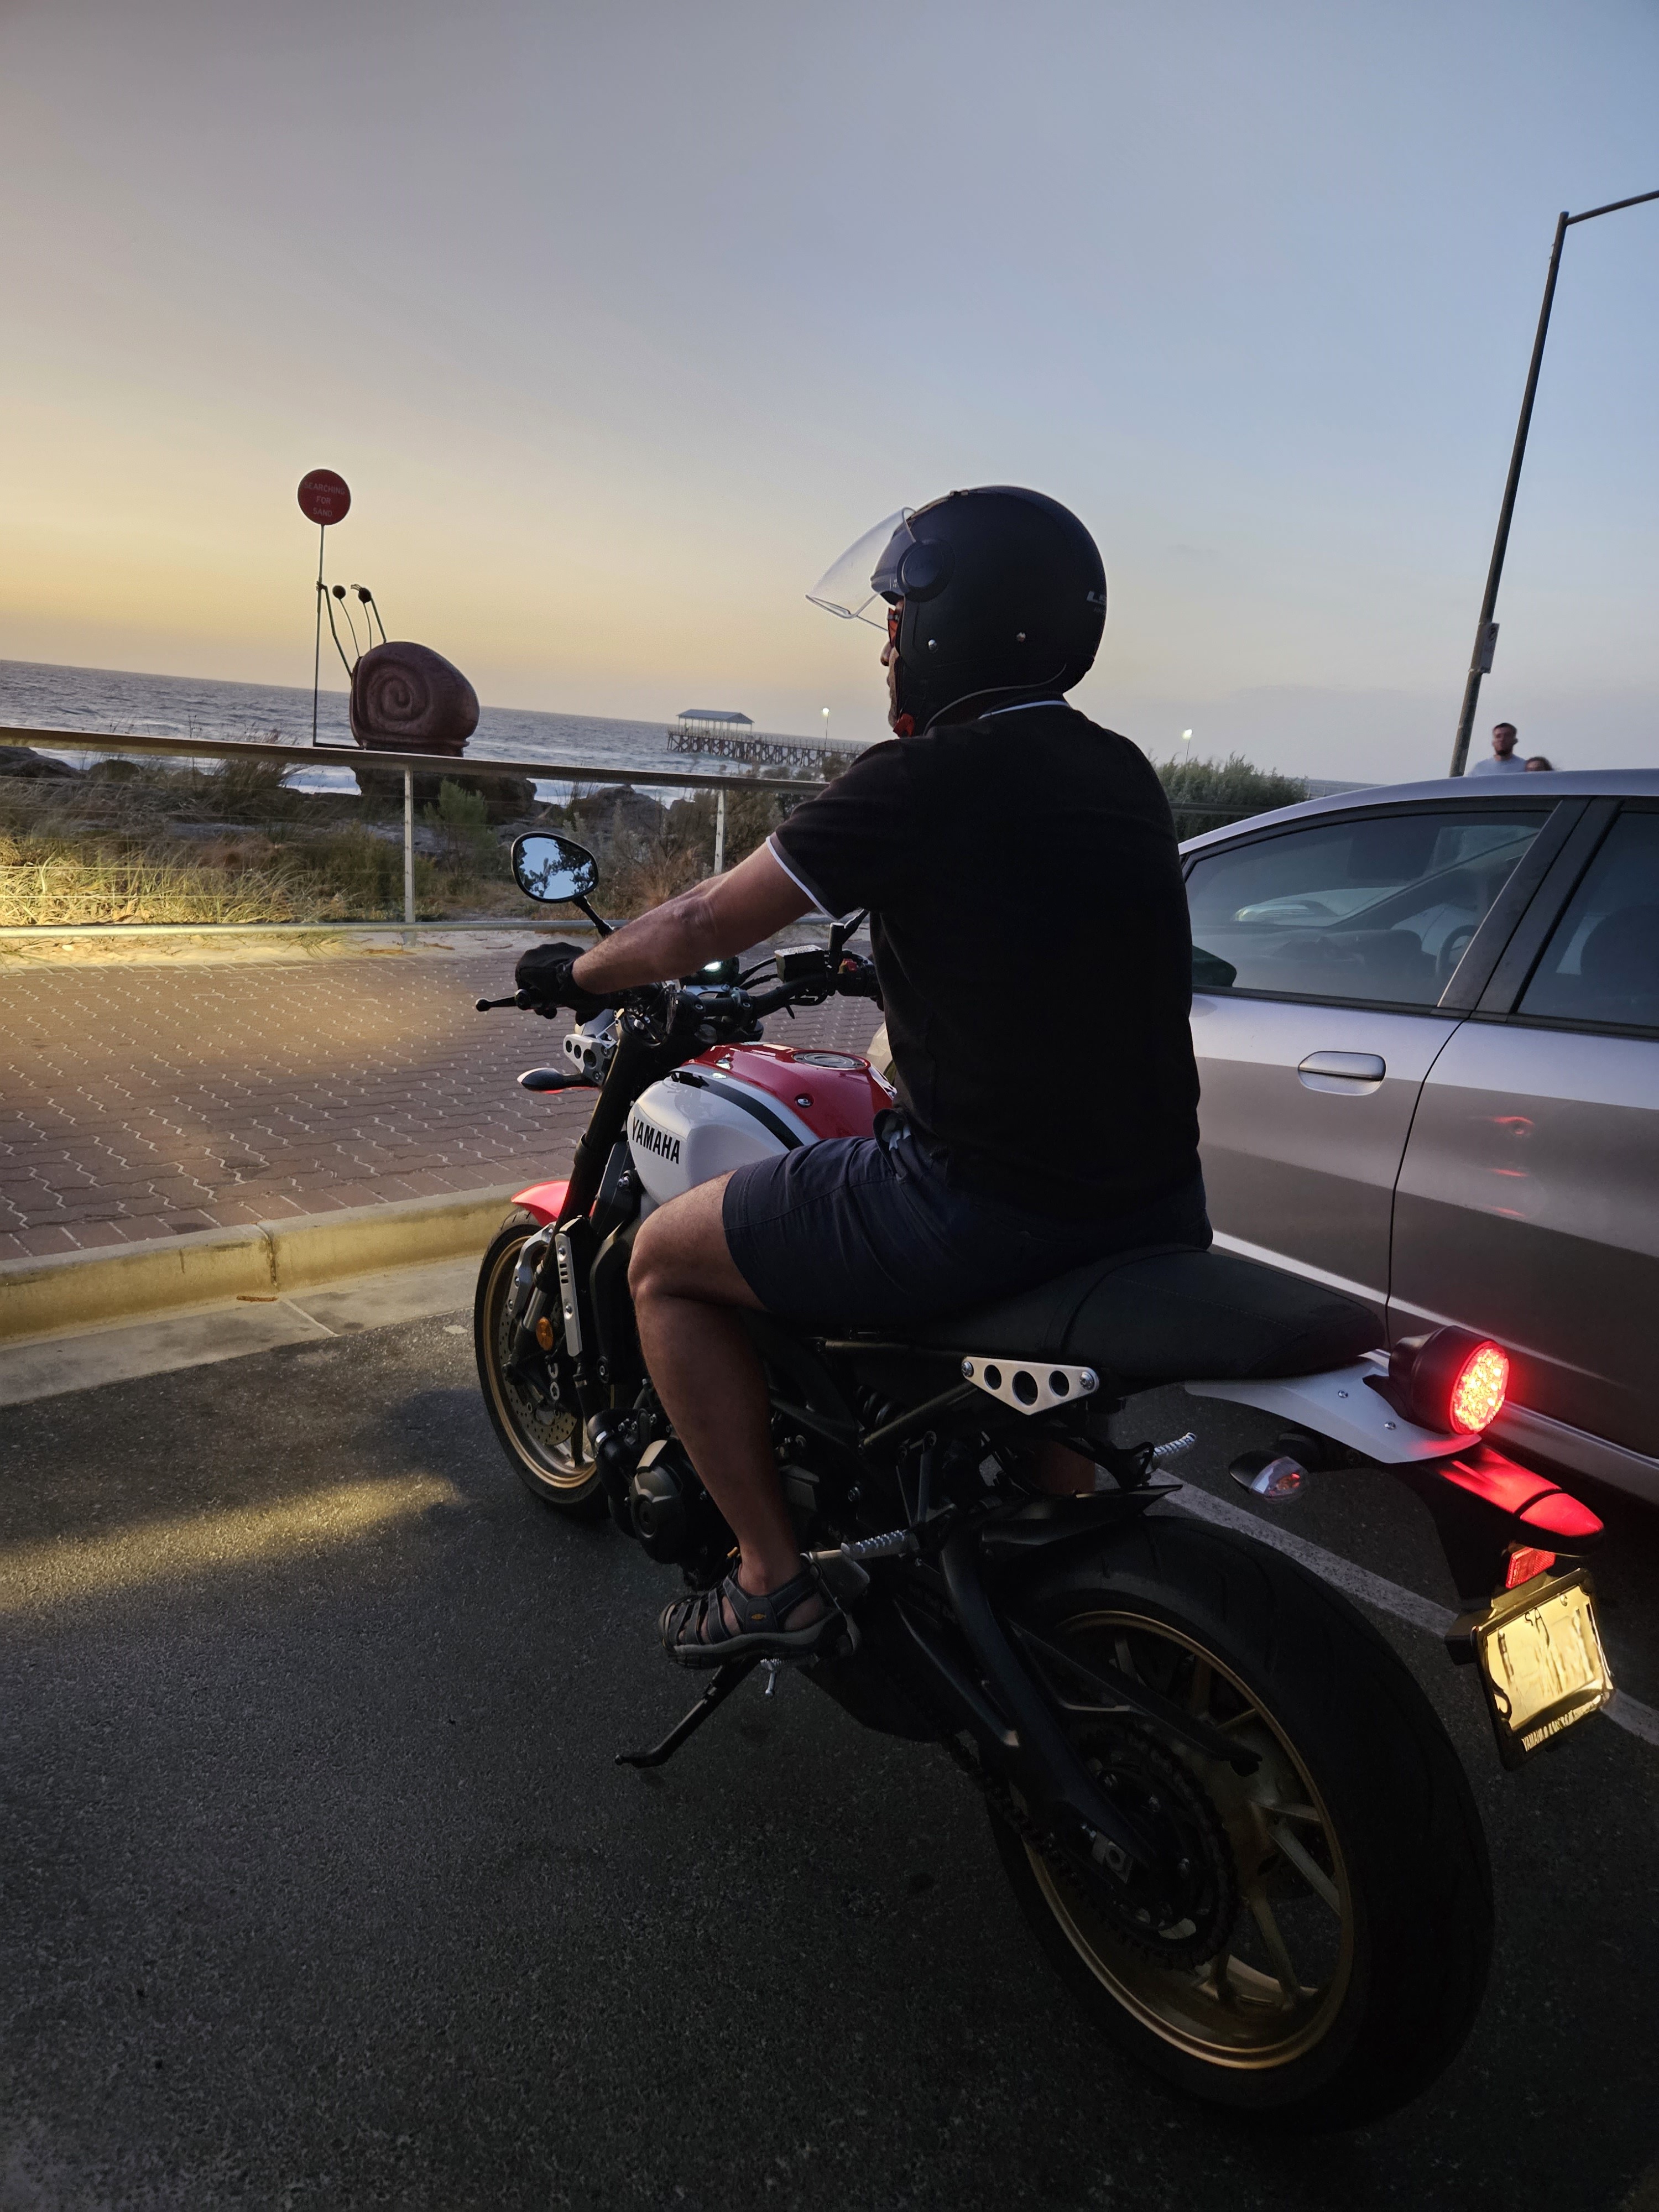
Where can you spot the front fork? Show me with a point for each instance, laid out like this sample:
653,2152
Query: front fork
548,1305
550,1282
527,1300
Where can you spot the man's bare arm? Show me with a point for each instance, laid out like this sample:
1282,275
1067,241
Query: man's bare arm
727,913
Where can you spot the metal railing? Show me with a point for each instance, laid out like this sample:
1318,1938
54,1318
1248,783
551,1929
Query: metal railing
361,756
411,765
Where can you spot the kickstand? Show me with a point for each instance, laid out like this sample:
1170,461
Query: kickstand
726,1679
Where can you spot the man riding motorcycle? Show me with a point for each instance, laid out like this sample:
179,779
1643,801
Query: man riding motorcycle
998,817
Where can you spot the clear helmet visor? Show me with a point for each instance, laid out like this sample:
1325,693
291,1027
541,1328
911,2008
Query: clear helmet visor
856,587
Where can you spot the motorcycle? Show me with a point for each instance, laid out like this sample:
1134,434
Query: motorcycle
1227,1809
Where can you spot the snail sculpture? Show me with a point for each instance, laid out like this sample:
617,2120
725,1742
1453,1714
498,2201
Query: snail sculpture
406,698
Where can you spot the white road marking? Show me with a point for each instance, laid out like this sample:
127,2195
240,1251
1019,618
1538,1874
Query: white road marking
1626,1712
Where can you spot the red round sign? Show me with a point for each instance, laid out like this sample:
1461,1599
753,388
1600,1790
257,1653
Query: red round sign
325,497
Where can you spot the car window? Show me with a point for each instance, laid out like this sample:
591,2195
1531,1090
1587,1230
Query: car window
1601,964
1381,909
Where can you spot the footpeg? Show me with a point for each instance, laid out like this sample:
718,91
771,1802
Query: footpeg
843,1572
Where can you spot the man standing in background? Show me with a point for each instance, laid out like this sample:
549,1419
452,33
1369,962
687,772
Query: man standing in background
1505,760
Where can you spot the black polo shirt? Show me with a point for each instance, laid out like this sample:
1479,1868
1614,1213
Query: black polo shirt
1029,929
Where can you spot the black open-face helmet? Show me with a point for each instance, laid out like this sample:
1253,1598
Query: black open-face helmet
994,595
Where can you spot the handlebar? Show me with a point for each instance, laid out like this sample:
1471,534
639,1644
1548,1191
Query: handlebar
721,1002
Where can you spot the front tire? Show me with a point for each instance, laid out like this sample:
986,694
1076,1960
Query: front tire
547,1444
1358,1956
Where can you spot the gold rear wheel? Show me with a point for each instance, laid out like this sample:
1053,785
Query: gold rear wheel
1277,1981
1339,1897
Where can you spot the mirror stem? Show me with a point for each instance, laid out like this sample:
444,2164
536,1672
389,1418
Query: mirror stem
602,926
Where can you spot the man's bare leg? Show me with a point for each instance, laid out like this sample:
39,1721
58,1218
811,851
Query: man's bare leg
687,1290
687,1293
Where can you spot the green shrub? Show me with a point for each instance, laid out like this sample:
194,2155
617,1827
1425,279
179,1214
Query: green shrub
251,791
1207,793
462,818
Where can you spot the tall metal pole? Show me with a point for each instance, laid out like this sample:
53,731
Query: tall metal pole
317,656
1480,659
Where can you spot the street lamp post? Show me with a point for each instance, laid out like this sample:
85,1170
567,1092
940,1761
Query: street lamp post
1486,630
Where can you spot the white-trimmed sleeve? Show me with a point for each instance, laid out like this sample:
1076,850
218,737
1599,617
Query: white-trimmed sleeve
799,881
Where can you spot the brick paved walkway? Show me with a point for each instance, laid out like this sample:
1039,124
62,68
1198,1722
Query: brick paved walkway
139,1101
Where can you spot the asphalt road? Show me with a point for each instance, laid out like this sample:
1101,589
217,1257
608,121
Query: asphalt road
321,1889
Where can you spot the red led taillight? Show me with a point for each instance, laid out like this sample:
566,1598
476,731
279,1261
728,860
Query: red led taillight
1450,1380
1477,1395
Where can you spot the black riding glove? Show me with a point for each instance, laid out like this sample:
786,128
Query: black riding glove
544,974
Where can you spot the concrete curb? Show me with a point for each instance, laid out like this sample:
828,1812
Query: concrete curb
73,1290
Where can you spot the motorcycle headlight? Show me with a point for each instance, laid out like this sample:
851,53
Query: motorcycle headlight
1450,1380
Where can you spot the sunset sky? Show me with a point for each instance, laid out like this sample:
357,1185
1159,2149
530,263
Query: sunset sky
622,320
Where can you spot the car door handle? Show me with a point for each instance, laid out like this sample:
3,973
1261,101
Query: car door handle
1355,1073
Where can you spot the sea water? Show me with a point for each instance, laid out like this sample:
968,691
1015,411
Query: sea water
119,702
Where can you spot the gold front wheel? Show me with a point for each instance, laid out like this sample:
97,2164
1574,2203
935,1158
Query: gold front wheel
533,1414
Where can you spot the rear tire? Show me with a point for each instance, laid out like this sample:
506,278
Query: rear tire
548,1446
1359,1953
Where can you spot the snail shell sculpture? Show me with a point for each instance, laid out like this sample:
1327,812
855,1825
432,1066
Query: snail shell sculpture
406,698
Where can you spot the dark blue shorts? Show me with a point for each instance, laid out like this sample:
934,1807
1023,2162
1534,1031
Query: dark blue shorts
873,1233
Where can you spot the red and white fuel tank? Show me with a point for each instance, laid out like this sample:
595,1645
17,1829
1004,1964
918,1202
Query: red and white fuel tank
746,1101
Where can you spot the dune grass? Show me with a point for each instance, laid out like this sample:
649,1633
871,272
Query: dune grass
37,892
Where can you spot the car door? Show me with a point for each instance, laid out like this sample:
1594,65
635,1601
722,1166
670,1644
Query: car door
1324,954
1528,1199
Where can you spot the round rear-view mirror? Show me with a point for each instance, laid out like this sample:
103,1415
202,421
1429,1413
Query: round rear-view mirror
549,868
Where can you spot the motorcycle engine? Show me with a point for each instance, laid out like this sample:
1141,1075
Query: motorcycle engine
672,1515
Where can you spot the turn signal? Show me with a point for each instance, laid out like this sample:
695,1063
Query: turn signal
544,1332
1449,1380
1273,1477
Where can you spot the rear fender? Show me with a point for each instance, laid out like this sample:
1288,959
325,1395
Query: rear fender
1484,1505
1341,1404
1048,1521
545,1199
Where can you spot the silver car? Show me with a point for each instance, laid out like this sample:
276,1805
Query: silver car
1427,1025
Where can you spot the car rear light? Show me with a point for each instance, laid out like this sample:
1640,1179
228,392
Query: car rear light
1530,1498
1558,1515
1450,1380
1524,1563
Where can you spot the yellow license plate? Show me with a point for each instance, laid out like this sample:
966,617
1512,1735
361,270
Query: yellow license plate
1539,1650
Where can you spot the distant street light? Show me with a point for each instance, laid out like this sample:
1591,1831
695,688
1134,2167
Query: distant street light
1486,630
826,726
1186,737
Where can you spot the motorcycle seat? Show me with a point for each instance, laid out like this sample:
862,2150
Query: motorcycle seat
1167,1317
